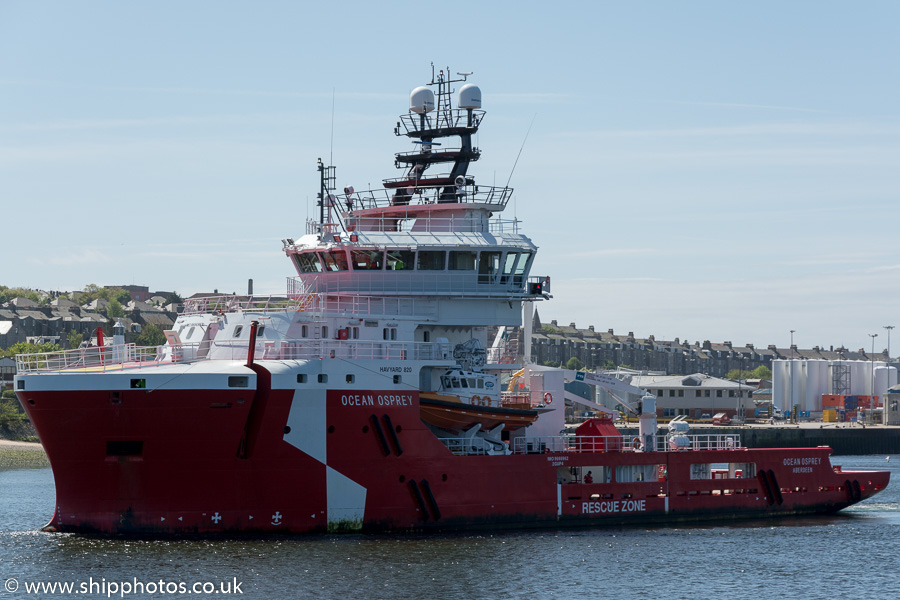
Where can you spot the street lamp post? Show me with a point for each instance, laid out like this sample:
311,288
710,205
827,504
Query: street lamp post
889,327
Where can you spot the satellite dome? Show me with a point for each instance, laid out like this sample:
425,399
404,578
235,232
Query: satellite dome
421,100
470,96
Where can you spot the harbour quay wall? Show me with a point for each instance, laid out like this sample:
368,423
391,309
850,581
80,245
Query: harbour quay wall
844,441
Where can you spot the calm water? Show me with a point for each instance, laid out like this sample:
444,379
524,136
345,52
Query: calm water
853,553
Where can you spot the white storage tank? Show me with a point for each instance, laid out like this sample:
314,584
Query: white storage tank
885,377
816,384
470,96
421,100
780,393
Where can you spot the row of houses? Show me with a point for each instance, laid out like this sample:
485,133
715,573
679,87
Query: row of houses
557,344
23,320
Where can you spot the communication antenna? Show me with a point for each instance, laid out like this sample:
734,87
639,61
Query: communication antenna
331,152
520,150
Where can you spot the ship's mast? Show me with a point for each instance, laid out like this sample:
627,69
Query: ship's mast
327,179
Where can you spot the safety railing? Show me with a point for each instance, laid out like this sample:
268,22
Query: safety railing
474,446
469,283
413,194
217,304
619,443
135,357
440,120
89,360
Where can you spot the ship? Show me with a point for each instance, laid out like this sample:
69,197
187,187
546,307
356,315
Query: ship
388,390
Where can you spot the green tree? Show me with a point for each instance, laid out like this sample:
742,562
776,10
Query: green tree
7,294
736,374
10,412
174,298
29,348
74,339
551,363
150,335
761,372
114,309
574,364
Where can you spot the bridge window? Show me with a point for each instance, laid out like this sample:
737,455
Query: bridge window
431,260
509,265
401,260
488,266
367,260
522,266
335,260
461,260
308,262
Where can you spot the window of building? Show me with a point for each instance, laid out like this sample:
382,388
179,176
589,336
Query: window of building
718,393
671,393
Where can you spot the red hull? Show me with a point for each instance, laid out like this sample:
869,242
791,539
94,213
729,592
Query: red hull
223,461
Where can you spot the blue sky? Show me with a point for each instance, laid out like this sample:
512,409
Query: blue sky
705,170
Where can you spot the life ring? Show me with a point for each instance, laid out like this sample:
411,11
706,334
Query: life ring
476,400
548,398
636,443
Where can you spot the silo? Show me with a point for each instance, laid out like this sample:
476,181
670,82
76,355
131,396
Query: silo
780,383
885,377
797,372
816,384
860,379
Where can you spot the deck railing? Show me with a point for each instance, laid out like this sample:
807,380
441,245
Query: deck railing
130,356
618,443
